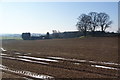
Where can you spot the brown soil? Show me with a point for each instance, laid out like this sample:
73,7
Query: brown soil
96,49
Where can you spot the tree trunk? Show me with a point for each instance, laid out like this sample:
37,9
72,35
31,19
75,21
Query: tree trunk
93,33
102,28
85,32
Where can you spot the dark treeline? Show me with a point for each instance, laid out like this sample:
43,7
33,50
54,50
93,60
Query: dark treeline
63,35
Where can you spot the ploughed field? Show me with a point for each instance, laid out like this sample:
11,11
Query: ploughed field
89,57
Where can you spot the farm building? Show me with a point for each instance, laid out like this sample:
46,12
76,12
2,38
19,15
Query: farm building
28,36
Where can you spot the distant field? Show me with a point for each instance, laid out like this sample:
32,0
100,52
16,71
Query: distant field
5,37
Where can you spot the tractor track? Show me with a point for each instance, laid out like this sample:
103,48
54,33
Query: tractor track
58,62
67,67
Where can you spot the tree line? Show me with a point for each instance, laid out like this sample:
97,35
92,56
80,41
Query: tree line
93,21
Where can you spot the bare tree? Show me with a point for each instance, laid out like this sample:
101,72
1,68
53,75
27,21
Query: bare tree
104,21
83,23
94,20
56,34
47,35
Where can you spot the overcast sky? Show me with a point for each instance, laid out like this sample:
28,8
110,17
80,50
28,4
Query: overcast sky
42,17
